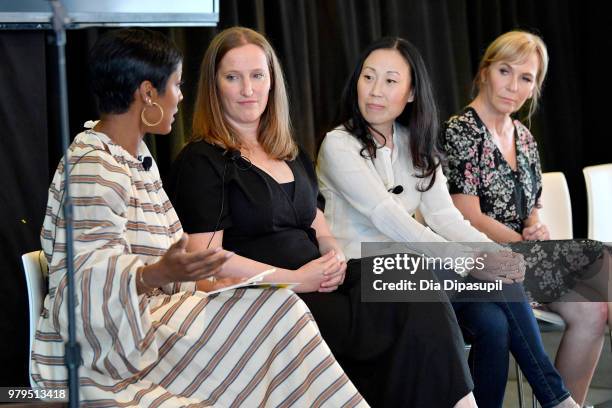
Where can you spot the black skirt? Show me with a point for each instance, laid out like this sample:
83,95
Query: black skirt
396,354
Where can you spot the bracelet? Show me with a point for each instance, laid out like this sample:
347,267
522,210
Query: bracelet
140,277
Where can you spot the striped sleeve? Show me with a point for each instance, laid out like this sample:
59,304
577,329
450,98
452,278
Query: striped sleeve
113,322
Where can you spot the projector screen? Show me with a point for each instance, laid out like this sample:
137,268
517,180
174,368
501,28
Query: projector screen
31,14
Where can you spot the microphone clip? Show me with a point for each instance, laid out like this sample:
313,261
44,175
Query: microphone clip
396,190
146,161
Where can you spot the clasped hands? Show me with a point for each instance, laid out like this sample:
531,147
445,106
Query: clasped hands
504,265
323,274
536,232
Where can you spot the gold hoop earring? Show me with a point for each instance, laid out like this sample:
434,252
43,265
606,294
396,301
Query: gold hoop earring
146,122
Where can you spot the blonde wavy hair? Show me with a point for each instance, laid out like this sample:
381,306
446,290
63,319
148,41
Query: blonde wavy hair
512,47
209,122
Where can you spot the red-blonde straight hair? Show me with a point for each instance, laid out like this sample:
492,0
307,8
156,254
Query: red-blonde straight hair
209,122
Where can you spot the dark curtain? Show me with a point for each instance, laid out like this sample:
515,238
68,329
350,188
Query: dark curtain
23,166
318,42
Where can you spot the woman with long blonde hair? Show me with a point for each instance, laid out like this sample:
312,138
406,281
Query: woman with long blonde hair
495,178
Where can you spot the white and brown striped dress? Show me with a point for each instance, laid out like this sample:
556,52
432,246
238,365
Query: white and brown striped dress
178,347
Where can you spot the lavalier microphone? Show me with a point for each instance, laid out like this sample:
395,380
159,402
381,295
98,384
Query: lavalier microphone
396,190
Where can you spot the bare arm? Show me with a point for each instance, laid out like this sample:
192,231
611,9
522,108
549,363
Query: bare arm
534,229
237,266
469,206
533,218
513,271
329,245
327,242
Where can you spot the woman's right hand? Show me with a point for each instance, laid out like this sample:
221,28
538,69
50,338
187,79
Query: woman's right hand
312,274
507,266
536,232
178,265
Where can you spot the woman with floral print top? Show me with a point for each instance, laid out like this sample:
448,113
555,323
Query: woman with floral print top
477,167
494,177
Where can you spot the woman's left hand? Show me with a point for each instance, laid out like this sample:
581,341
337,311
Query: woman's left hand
328,244
536,232
335,278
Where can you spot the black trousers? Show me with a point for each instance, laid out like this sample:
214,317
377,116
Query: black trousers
396,354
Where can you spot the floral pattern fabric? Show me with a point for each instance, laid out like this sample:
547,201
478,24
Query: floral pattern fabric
475,166
557,268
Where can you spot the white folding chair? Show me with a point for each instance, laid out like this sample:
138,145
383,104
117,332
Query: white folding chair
36,271
599,201
556,211
556,214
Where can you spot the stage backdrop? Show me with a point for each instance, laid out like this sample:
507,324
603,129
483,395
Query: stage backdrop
318,43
